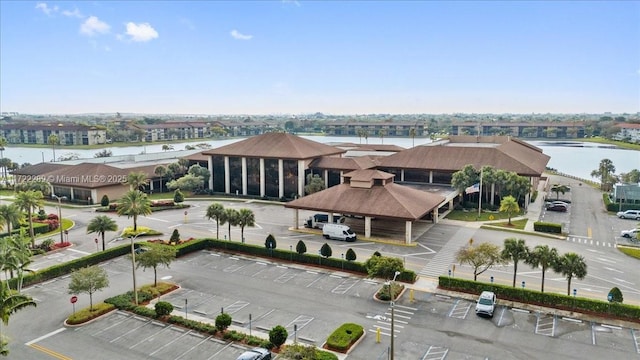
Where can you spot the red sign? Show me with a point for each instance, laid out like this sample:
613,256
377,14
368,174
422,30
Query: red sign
96,240
74,299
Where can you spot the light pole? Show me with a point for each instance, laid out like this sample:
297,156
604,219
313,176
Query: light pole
390,283
133,265
60,198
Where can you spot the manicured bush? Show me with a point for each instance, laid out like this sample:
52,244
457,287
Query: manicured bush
86,314
104,201
175,237
163,308
223,321
546,227
278,335
300,351
344,336
178,197
616,295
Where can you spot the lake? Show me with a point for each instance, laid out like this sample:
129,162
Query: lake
575,158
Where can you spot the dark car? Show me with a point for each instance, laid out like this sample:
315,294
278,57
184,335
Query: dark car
557,207
255,354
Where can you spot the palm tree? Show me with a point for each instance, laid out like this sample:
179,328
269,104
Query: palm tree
605,173
53,140
382,133
28,201
137,180
509,205
133,204
514,250
101,224
571,265
160,171
167,147
544,257
3,144
10,214
412,133
10,303
231,218
216,211
19,246
245,218
559,188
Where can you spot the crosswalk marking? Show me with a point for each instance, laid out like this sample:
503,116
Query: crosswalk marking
589,242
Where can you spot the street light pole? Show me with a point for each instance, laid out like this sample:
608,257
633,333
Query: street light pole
392,313
60,198
133,266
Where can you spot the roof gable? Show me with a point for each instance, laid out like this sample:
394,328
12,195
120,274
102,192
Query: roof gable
276,145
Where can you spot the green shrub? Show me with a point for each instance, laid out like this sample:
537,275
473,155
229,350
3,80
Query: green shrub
144,311
616,295
104,201
84,315
178,197
223,321
546,227
278,335
300,351
344,336
175,237
163,308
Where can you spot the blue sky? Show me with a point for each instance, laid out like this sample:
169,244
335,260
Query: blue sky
292,57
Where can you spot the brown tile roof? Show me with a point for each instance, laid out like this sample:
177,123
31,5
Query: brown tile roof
369,147
392,201
39,169
337,163
507,154
276,145
200,156
368,175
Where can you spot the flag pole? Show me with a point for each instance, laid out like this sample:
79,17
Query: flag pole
480,195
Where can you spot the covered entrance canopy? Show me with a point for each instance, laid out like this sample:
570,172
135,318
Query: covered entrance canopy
371,194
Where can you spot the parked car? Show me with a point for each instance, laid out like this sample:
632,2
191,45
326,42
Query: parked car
557,207
255,354
629,214
557,202
633,233
486,303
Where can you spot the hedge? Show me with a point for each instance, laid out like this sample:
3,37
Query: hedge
345,336
552,300
546,227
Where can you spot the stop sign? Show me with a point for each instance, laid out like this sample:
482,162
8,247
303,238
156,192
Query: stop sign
74,299
96,240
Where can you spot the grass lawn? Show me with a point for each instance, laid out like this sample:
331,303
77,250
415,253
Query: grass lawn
515,224
631,251
484,216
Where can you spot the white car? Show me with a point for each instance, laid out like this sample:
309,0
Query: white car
629,214
486,303
633,233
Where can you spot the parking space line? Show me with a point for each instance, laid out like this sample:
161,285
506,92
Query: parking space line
172,341
435,352
155,333
144,323
221,350
192,348
344,286
636,339
114,325
285,277
460,310
301,321
593,333
545,324
236,306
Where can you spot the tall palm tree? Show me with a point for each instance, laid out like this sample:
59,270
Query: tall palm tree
28,201
133,204
231,218
559,188
10,214
544,257
161,171
571,265
382,133
412,133
3,144
514,250
10,303
605,172
101,224
137,180
53,140
509,205
245,218
215,211
22,256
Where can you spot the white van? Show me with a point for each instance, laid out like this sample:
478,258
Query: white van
338,232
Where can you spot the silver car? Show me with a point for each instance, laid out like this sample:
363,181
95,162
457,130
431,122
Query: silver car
486,304
255,354
629,214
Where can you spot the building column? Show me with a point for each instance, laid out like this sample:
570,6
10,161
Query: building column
71,195
210,164
367,226
280,178
436,214
407,232
341,178
326,179
401,174
227,177
431,177
244,175
296,219
301,178
493,192
262,179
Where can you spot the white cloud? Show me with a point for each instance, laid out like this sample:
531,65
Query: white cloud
239,36
93,26
46,9
141,32
75,13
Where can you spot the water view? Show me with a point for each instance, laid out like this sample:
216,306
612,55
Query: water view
574,158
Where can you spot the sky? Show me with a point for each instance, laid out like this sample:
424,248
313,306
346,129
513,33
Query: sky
334,57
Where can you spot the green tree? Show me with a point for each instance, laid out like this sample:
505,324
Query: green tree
100,225
481,257
134,203
161,171
350,255
163,308
201,172
325,250
167,147
187,182
10,303
301,248
53,140
278,335
104,201
270,242
178,196
559,188
245,218
632,177
543,257
412,134
39,185
137,180
3,144
462,179
223,321
28,201
231,218
215,211
514,250
314,184
616,295
571,265
509,205
175,237
156,255
383,266
10,214
605,172
88,280
382,133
